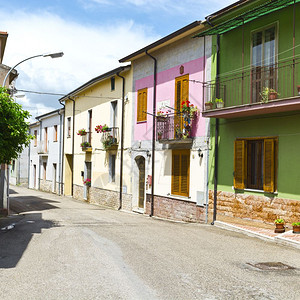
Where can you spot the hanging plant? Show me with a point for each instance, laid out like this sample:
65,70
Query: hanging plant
102,128
81,132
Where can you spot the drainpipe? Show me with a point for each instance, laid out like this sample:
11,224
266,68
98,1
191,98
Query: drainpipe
73,144
61,147
28,163
41,132
122,140
153,130
216,136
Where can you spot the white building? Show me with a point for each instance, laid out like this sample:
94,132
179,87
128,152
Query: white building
45,152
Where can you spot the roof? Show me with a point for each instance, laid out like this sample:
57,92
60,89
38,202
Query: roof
95,80
57,111
244,17
3,38
184,31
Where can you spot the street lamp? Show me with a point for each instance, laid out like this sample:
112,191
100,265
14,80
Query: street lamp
52,55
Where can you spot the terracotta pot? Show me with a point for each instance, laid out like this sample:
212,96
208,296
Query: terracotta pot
279,228
208,105
296,229
272,96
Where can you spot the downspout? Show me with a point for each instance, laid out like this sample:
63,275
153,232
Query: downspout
216,136
294,32
28,163
122,140
153,130
41,132
61,147
73,145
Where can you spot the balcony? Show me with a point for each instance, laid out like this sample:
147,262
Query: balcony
43,148
244,94
110,138
174,129
86,143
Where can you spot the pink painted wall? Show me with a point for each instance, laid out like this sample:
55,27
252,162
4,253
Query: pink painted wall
165,90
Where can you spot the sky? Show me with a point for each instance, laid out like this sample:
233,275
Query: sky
93,34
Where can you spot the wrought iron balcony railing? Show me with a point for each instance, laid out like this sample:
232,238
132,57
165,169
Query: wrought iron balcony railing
254,85
110,138
173,128
86,143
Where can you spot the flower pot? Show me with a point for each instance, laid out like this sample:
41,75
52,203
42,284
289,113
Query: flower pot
296,229
220,104
279,228
208,105
159,136
298,88
272,96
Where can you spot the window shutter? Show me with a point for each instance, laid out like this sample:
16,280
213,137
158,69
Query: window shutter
269,165
185,88
175,188
180,172
239,164
184,176
142,105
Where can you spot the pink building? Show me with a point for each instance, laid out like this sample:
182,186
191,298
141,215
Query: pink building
170,138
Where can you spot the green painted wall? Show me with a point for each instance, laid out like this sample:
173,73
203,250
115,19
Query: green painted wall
286,127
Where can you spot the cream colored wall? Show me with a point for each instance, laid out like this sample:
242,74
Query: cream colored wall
98,98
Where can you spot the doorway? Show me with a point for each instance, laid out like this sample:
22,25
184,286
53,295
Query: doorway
141,185
68,174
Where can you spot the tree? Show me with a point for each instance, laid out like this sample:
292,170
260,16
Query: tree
14,129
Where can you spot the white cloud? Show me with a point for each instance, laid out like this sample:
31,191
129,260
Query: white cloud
89,51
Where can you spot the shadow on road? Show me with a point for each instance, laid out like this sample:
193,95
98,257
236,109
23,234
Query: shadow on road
14,241
20,203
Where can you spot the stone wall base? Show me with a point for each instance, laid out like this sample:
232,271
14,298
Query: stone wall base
103,197
257,208
175,209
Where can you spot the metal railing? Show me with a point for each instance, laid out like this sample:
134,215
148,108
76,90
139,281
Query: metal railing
172,128
110,137
248,86
43,147
87,139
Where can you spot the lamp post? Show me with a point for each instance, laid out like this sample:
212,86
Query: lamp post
52,55
4,178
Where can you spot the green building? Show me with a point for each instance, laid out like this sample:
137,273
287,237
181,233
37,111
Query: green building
254,169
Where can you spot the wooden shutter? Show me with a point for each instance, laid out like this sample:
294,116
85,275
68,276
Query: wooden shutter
180,172
142,105
239,164
269,165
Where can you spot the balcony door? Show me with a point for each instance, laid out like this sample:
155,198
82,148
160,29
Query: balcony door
181,95
263,64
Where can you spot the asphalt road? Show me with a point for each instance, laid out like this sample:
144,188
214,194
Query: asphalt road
60,248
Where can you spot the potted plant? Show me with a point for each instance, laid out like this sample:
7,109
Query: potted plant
161,117
208,105
102,128
268,94
87,182
109,141
159,135
296,227
189,110
81,132
85,145
219,102
279,223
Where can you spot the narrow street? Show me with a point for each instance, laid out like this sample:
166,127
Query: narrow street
61,248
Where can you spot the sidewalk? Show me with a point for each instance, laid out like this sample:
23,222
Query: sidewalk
260,230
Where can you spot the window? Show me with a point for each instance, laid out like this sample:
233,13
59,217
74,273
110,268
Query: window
90,122
112,83
35,138
255,164
46,139
112,168
69,127
263,61
142,105
180,172
55,133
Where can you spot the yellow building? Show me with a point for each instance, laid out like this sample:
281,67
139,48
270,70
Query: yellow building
96,145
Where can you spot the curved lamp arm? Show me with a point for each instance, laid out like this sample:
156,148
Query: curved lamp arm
52,55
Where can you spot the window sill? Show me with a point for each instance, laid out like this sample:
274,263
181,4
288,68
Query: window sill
255,191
